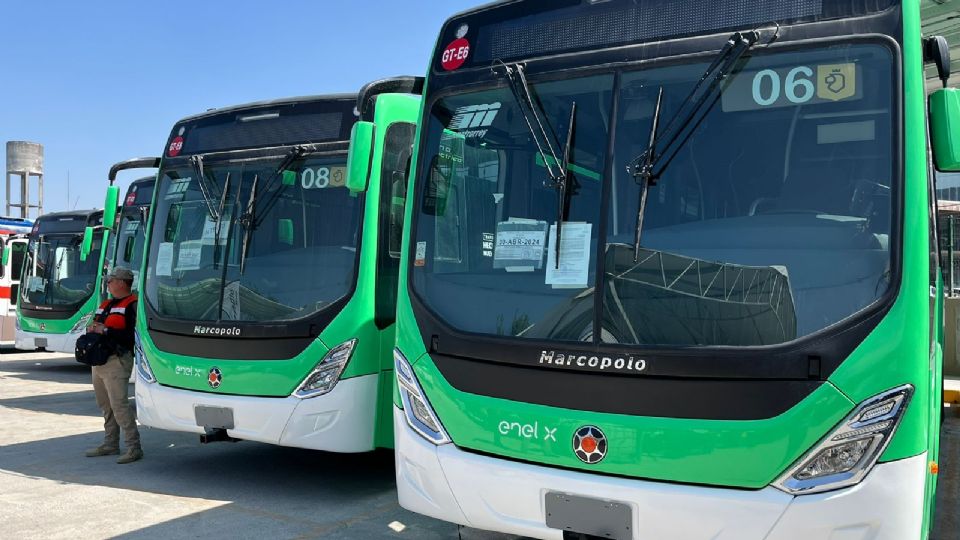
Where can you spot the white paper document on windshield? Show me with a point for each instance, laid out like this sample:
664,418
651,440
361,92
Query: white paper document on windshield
209,232
165,259
36,284
574,256
189,256
520,244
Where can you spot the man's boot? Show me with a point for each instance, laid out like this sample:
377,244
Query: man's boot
131,455
103,450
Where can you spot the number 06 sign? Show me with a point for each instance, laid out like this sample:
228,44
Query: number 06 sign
788,86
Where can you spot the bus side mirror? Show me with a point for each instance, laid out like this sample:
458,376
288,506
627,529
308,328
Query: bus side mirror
945,128
110,207
6,256
937,50
87,244
361,156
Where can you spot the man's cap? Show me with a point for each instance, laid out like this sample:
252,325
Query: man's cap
120,272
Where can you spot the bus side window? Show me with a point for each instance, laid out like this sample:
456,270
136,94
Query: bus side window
394,167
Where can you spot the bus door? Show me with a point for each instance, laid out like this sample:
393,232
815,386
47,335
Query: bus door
9,284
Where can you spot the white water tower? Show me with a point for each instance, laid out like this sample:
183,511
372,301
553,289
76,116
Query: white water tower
25,161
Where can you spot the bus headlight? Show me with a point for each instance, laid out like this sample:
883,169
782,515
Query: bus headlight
327,372
846,455
82,323
141,362
417,410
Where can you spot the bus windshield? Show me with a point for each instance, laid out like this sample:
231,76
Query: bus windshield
252,243
54,275
128,248
772,221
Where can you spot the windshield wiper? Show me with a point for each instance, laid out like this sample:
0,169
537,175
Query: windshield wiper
563,188
684,122
294,154
644,175
205,189
533,114
247,221
217,227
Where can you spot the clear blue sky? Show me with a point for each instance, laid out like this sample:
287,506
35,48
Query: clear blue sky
99,82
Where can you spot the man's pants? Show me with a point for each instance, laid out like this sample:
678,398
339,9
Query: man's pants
110,387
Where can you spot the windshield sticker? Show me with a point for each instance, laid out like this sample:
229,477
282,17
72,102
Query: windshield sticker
421,257
520,245
574,256
836,81
231,301
790,86
455,54
189,256
844,132
338,177
165,259
470,121
487,244
178,188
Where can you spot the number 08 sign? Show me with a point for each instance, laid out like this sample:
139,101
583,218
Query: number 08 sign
323,177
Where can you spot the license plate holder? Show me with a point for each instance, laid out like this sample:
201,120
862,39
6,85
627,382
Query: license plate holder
586,515
40,343
213,417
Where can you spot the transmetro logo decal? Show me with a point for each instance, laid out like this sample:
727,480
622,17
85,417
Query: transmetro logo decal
590,444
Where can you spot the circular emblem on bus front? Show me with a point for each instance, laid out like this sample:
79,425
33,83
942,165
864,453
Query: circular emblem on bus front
215,377
590,444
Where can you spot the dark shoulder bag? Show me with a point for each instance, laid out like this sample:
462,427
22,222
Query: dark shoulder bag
94,349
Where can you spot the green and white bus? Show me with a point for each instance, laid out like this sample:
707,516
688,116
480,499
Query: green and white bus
65,264
669,271
59,290
129,231
269,283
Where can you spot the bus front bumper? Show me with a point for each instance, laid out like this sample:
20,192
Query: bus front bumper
342,420
507,496
64,343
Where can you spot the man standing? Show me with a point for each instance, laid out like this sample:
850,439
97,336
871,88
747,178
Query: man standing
116,320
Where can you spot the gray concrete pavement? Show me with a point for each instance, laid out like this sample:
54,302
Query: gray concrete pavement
48,489
224,490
